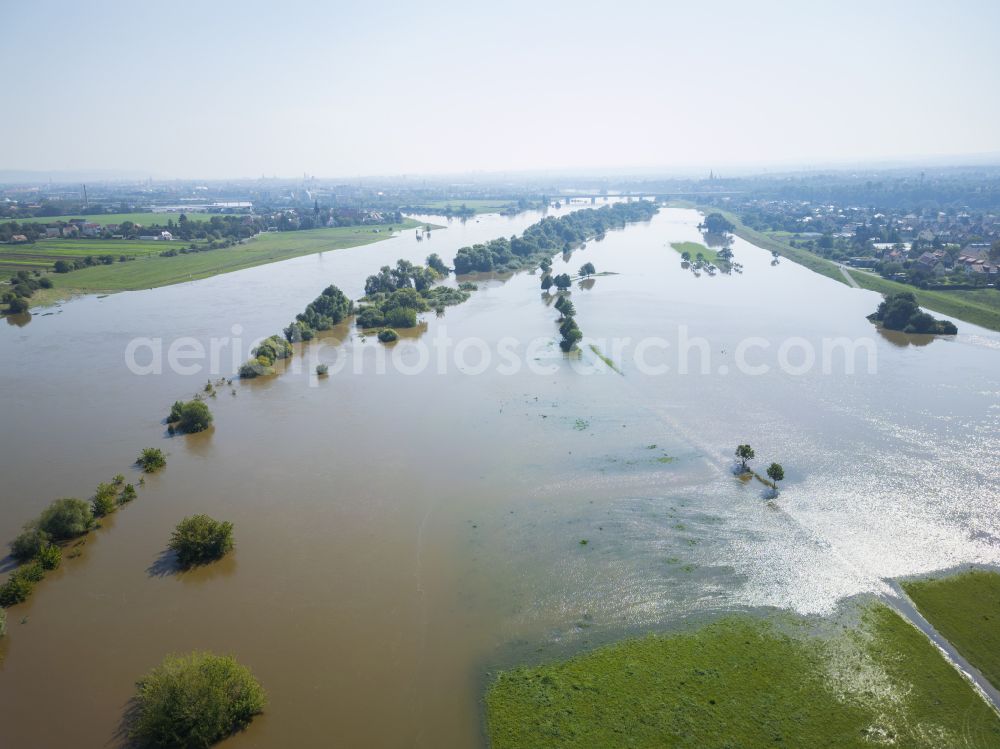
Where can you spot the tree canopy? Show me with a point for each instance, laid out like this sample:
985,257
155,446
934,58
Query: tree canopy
901,312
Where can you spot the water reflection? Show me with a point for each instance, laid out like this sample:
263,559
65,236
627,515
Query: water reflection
902,340
168,565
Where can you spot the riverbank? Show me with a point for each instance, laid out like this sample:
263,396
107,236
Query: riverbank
977,306
153,270
744,681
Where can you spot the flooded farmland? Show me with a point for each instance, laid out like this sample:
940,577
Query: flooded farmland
403,530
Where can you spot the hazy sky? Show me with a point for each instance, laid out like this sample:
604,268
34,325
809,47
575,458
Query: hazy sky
241,89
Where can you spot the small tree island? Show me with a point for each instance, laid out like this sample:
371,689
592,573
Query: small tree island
200,539
716,223
194,700
901,312
190,417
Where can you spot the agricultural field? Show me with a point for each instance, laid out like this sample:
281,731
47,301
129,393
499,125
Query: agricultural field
148,269
42,255
145,219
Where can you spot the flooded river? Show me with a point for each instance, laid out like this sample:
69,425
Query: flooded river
399,535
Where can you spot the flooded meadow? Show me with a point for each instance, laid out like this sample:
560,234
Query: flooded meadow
470,497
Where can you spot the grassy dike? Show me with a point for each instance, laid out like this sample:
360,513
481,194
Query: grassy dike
965,609
746,682
977,306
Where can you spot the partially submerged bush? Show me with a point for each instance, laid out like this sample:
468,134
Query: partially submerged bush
104,502
29,544
192,701
127,495
20,584
322,369
151,459
273,348
387,335
65,518
192,416
258,367
50,557
199,539
401,317
370,316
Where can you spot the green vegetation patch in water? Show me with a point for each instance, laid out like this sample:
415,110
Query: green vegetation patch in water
695,249
965,609
606,359
743,682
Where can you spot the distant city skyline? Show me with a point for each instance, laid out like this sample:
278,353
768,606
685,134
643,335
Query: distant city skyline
227,90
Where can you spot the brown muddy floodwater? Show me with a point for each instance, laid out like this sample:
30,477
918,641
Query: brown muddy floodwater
401,535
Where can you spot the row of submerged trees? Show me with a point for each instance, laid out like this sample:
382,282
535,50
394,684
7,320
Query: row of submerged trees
568,329
38,548
550,235
395,296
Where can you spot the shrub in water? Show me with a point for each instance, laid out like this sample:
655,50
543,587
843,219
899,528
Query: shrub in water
50,557
195,700
322,369
28,545
401,317
190,417
127,495
66,518
256,368
105,500
151,459
199,539
20,584
387,335
370,316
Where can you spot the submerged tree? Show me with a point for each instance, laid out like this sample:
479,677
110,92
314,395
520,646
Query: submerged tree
745,454
193,416
199,539
194,701
776,473
587,269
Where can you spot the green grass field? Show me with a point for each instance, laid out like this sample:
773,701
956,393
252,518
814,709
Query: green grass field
694,248
977,306
745,682
149,269
146,219
965,609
